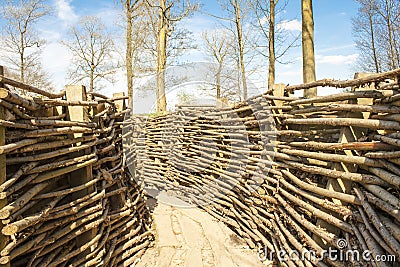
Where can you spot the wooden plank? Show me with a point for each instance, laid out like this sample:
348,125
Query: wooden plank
278,90
76,113
83,175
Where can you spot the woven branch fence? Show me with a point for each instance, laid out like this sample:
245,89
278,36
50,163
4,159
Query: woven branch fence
287,173
66,199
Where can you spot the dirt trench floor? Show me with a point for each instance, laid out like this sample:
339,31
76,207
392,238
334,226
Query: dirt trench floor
188,236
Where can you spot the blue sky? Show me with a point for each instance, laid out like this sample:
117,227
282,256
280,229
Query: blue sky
334,46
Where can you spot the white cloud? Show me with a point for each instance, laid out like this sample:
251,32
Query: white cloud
336,59
291,73
56,57
290,25
198,23
337,47
264,20
51,35
65,11
55,60
110,16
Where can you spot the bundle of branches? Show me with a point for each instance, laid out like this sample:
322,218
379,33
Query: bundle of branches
67,199
288,173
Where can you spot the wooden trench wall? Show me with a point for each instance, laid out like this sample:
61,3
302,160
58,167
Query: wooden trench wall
65,197
287,173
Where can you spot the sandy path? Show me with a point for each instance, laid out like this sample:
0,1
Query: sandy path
191,237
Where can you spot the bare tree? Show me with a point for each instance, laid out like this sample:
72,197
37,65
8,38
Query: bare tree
271,43
179,39
268,15
239,35
234,8
218,45
376,30
162,54
145,42
185,97
364,30
130,6
167,16
36,77
236,12
389,12
136,31
21,40
91,46
308,46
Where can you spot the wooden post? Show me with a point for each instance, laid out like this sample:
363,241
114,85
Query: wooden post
117,201
76,113
83,175
120,104
347,134
3,202
222,102
350,134
308,47
278,90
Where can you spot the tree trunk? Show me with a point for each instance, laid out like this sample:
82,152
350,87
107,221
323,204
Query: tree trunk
129,53
271,45
308,47
92,65
238,79
21,68
91,77
390,33
397,50
240,45
161,58
218,82
22,61
371,25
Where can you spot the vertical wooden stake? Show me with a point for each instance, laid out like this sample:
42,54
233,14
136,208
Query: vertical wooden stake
76,113
3,202
117,201
347,134
120,104
278,90
83,175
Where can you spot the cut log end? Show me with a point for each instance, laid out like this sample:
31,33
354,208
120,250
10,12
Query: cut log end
5,260
3,93
9,229
4,214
